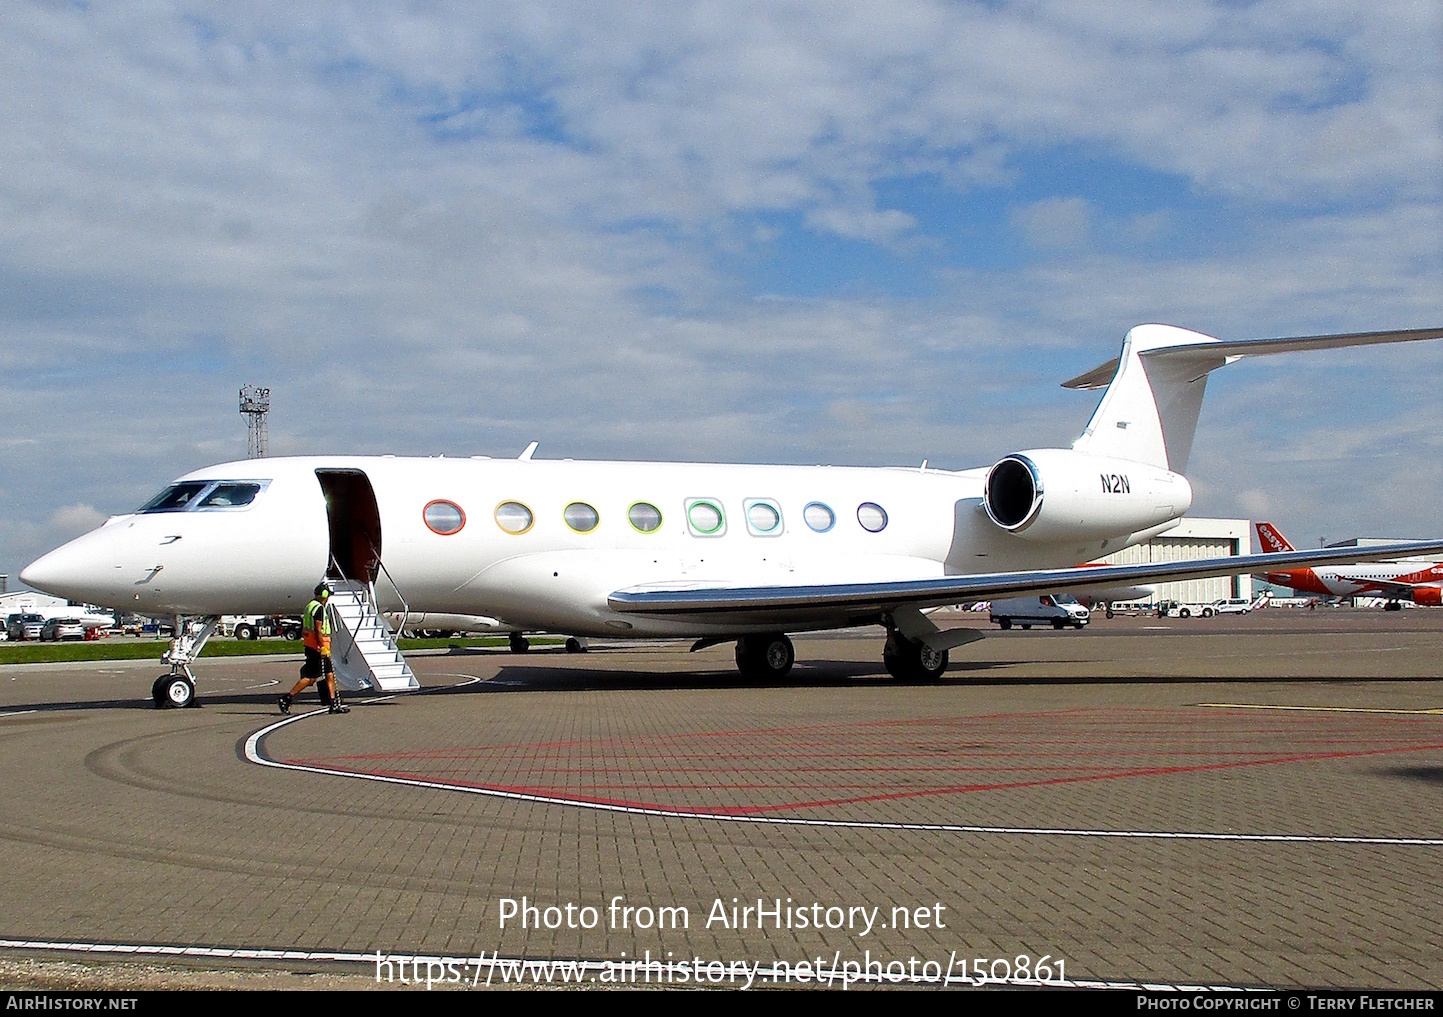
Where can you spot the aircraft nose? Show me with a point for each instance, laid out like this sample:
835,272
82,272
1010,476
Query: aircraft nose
73,571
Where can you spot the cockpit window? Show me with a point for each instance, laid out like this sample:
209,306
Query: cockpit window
176,497
191,495
230,496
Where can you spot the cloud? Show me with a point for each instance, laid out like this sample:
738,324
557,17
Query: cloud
1056,224
73,520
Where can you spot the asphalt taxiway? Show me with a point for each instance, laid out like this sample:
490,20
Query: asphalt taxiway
1231,801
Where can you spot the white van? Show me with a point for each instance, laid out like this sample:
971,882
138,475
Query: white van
1058,610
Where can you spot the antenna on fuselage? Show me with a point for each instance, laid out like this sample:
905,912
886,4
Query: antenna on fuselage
255,403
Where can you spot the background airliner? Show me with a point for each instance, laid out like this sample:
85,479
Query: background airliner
1420,582
709,552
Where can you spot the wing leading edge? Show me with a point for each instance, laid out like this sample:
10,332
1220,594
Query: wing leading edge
865,598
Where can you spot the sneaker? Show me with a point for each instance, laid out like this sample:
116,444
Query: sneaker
285,702
336,707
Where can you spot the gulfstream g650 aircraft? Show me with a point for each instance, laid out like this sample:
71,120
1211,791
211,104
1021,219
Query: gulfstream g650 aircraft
710,552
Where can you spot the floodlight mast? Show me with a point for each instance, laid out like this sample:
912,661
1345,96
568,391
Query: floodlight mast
255,403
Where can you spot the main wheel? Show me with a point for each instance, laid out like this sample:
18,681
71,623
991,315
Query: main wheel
573,645
174,691
519,643
908,660
768,656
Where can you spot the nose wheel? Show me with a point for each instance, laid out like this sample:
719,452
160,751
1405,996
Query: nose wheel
173,691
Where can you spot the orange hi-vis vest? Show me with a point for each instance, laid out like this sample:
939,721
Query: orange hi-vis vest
316,628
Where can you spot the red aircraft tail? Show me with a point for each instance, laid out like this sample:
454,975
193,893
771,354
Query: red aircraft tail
1269,539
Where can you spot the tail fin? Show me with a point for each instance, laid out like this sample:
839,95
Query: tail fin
1155,387
1270,540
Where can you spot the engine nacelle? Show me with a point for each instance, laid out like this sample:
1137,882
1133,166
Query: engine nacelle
1428,596
1055,494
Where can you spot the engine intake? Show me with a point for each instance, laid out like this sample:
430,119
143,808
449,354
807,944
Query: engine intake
1059,494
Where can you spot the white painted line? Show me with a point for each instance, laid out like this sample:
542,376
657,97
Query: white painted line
18,713
1320,709
593,967
255,755
262,685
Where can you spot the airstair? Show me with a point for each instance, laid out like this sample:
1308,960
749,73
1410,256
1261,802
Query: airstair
363,648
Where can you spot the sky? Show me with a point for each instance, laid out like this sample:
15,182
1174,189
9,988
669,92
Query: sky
775,232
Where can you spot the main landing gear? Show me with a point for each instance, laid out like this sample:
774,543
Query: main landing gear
177,689
911,659
765,656
519,643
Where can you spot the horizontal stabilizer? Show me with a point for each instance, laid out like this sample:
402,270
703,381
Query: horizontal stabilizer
1224,349
865,599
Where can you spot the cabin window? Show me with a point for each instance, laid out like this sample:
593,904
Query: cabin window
645,517
229,495
872,517
444,517
819,517
514,517
764,517
705,517
581,517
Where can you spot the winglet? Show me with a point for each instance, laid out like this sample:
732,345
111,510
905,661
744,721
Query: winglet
525,457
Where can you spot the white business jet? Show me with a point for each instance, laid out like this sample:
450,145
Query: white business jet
714,553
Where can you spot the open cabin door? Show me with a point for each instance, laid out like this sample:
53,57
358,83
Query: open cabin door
355,524
363,648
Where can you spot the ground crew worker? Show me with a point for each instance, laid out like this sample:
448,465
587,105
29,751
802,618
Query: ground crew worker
317,670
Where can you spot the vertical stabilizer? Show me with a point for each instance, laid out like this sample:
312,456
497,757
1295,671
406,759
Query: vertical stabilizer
1270,539
1150,410
1155,388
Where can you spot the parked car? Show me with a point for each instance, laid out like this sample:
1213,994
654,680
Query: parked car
24,626
1058,610
1229,605
56,629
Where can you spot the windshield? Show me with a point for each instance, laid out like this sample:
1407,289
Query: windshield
176,497
191,495
230,495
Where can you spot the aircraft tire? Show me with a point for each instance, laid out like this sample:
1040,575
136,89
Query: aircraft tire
908,660
519,643
573,645
176,691
768,656
157,692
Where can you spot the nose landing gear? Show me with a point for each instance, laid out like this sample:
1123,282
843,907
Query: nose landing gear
177,689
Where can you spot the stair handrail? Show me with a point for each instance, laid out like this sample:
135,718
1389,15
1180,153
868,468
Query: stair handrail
405,607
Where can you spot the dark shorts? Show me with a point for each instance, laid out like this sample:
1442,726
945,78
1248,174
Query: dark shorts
316,665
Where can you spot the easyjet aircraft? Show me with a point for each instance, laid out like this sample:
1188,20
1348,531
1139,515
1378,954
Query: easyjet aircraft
1415,581
713,553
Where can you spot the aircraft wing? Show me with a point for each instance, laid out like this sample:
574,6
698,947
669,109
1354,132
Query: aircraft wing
864,599
1390,588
